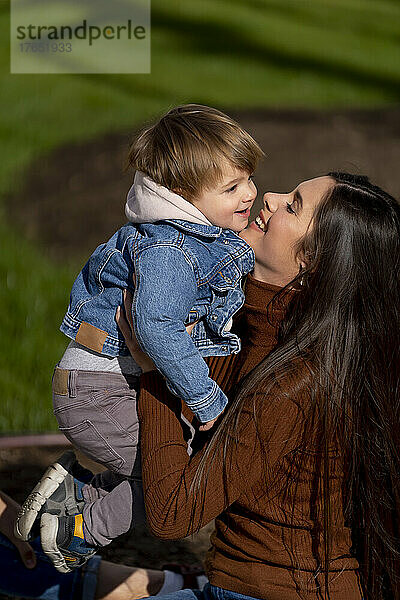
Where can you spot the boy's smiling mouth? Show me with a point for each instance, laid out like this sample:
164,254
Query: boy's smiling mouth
243,213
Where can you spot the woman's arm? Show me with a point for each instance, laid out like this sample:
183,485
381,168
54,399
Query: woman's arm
173,508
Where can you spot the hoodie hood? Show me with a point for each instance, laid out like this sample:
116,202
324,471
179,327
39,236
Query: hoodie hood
148,202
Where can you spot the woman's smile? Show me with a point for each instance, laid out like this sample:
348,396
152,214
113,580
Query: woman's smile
260,224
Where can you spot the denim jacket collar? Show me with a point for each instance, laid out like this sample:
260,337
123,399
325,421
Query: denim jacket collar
196,229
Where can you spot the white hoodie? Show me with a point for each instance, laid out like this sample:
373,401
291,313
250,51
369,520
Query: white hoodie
148,202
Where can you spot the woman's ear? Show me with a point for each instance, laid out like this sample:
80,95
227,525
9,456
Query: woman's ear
304,259
301,261
300,277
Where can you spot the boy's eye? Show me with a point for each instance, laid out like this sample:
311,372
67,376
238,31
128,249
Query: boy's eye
289,208
234,187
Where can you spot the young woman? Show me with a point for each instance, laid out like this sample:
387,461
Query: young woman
301,474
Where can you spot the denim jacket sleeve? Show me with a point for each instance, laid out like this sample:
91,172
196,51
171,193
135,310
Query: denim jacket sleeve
165,292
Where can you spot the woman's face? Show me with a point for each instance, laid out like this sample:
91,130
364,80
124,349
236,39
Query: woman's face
282,222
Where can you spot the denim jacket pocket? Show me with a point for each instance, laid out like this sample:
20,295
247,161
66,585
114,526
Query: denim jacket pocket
199,311
226,278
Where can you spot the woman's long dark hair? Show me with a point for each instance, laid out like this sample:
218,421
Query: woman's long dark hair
343,323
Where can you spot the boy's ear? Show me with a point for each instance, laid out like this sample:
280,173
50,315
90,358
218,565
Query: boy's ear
183,194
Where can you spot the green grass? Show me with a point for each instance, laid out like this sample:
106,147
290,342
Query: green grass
33,295
227,53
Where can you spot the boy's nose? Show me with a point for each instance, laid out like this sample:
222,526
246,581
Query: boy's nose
251,193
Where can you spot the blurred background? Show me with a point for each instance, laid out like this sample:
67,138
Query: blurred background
317,82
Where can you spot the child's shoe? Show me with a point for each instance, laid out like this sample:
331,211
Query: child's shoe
58,492
63,541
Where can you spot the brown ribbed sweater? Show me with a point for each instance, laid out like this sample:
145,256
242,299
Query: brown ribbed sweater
264,545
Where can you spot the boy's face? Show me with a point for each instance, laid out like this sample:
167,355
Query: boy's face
228,203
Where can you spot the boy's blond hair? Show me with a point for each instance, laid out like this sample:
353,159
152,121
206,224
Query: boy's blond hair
186,149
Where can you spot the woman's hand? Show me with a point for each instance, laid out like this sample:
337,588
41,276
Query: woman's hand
125,323
8,515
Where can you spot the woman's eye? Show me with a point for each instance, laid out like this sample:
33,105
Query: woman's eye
289,208
232,189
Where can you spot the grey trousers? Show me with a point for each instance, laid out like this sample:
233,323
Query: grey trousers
97,413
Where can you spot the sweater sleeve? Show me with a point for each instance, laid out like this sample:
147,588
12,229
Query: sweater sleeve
175,507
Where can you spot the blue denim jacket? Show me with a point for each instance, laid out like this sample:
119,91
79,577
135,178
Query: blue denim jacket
184,272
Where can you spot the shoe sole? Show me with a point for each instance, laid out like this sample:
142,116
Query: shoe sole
50,481
48,537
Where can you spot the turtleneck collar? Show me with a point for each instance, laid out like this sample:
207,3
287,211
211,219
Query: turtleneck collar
257,323
259,293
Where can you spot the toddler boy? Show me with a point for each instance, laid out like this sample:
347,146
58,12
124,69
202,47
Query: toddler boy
181,256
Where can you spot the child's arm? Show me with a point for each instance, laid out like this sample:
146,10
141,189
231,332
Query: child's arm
165,292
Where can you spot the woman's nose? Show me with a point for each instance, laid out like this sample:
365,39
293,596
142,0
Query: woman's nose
272,201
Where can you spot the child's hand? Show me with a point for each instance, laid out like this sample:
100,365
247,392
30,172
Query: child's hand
190,327
208,425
